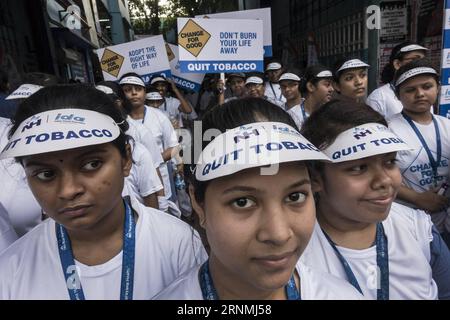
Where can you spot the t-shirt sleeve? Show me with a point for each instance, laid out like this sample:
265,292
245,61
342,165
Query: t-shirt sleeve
191,251
376,102
7,233
148,179
169,134
440,265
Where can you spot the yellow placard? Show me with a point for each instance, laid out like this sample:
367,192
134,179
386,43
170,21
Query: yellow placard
193,38
111,62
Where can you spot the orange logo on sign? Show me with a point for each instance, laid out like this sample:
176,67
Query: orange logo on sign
111,62
193,38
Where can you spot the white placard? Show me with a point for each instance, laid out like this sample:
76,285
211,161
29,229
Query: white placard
263,14
220,45
146,57
189,81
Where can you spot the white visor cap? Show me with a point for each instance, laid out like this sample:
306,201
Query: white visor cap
254,145
24,91
364,141
58,130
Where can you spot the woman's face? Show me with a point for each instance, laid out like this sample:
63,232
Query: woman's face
289,89
79,187
255,90
237,86
136,94
161,86
358,191
274,75
154,103
419,93
322,91
353,83
256,231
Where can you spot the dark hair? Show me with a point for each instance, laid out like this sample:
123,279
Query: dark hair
388,72
310,75
118,94
339,63
4,80
233,114
79,96
421,63
334,117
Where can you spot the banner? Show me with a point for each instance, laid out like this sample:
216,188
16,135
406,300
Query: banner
263,14
145,57
220,45
188,81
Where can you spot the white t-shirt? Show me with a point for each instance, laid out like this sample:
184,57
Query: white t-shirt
141,134
297,114
384,101
273,91
7,233
408,235
165,248
415,165
163,132
314,286
171,108
143,179
23,210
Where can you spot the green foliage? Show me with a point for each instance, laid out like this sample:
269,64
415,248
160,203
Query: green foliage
146,14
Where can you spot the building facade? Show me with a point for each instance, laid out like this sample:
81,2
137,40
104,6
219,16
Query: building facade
59,36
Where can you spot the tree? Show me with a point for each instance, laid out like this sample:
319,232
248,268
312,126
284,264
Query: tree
146,14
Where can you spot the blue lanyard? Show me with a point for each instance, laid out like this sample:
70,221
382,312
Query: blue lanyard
382,263
274,94
392,86
434,163
145,112
302,106
209,291
69,268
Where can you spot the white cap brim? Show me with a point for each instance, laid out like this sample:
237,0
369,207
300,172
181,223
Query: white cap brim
255,80
413,47
158,79
132,80
413,73
289,76
352,64
325,74
273,66
254,145
58,130
24,91
364,141
153,96
104,89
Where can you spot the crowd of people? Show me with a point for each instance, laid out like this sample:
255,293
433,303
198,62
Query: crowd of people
299,185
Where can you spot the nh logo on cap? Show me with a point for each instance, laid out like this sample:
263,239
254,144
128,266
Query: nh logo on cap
69,118
245,135
34,121
361,134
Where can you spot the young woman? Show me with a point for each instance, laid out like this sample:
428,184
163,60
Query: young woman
385,250
254,84
272,89
350,79
316,89
290,88
95,244
173,107
384,100
155,121
143,182
256,232
425,169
